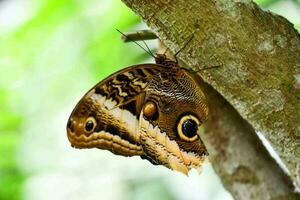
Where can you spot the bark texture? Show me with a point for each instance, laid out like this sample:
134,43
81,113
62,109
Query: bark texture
259,75
239,157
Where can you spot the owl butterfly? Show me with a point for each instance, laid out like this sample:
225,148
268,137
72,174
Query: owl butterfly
150,110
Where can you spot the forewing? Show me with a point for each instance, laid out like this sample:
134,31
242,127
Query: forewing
114,104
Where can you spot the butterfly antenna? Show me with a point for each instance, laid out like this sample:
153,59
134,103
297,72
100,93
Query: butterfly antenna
190,39
145,44
149,52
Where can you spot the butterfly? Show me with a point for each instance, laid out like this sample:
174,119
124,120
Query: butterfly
149,110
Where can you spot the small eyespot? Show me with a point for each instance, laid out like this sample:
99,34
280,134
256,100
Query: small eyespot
150,110
187,128
90,124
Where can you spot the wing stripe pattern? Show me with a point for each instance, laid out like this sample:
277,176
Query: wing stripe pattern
124,85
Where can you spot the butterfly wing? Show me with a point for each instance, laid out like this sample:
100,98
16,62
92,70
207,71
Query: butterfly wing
107,115
150,110
174,109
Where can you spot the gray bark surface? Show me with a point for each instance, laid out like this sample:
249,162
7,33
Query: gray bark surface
239,157
259,76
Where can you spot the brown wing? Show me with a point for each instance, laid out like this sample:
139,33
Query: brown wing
126,86
112,106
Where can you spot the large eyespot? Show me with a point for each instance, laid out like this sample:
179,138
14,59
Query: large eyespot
150,110
90,124
187,128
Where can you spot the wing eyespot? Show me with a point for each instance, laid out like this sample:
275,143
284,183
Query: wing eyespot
150,110
90,125
187,128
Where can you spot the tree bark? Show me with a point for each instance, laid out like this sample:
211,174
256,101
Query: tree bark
238,156
259,76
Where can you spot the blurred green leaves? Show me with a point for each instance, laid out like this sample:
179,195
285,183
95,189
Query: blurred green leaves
42,60
266,3
149,189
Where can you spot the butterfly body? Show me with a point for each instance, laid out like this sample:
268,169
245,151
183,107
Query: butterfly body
150,110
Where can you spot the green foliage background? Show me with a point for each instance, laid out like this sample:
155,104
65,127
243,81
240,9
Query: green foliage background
59,49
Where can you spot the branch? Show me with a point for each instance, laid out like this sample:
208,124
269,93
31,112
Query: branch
259,55
138,35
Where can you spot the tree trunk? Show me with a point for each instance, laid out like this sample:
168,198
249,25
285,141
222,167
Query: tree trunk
257,87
